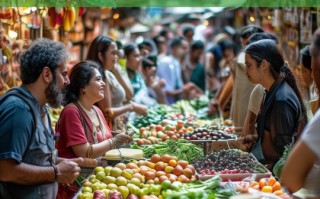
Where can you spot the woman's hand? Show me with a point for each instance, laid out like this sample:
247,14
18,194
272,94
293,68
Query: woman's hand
122,138
213,108
139,109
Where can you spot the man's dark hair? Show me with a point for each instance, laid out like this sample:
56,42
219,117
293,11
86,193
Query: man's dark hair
249,30
147,63
187,28
197,45
159,39
42,53
176,41
263,35
119,44
226,44
146,43
129,48
164,33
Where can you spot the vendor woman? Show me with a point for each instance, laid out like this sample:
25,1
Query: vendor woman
82,127
282,109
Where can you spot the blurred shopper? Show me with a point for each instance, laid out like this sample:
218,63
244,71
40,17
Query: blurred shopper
154,84
307,80
169,69
161,44
103,50
282,109
212,68
222,67
140,89
242,87
188,32
146,47
194,71
304,159
82,128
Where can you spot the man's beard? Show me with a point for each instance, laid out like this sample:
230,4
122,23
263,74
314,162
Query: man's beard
54,94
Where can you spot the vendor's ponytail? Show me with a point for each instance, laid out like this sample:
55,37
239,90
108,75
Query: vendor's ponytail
291,81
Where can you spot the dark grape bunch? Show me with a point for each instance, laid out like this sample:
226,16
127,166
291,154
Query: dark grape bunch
227,162
207,134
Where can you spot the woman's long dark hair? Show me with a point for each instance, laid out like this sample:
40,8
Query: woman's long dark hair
99,45
267,49
80,77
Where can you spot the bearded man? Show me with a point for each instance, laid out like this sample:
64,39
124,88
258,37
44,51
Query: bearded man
28,161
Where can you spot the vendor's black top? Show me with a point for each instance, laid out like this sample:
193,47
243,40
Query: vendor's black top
281,112
20,143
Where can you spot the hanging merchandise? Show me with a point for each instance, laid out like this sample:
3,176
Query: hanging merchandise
64,17
69,17
4,72
305,25
55,17
5,13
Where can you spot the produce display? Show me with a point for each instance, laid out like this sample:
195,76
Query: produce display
268,185
148,120
171,138
198,190
155,116
154,133
138,178
207,134
199,103
180,148
182,110
232,161
183,107
264,185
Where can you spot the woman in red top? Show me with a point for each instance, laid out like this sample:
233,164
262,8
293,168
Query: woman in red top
82,128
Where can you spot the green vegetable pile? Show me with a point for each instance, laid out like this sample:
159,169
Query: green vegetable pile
200,103
209,189
180,148
183,107
155,116
277,169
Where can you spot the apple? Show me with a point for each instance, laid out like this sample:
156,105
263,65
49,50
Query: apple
192,168
159,128
152,126
178,170
142,129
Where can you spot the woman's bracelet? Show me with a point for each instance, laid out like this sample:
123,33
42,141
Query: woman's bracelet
110,142
131,107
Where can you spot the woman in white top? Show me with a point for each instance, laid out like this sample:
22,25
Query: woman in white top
104,51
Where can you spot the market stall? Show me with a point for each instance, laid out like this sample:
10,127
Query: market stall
178,151
176,154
